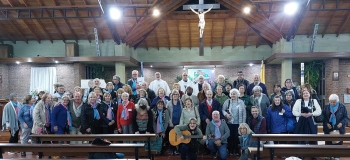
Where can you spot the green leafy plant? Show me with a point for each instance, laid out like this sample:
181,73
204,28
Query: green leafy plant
178,78
97,71
312,72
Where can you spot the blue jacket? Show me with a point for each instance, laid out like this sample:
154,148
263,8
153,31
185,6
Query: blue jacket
203,110
155,100
277,123
25,115
117,86
130,82
59,119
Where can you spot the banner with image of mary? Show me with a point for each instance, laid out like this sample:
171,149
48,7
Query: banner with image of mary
208,75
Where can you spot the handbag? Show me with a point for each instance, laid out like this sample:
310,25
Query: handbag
317,119
335,132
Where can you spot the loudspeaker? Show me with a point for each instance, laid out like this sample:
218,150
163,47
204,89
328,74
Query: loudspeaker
6,51
72,49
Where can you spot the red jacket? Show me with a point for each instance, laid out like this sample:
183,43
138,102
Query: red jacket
120,121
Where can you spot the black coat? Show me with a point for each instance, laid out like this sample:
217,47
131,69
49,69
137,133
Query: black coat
88,120
103,111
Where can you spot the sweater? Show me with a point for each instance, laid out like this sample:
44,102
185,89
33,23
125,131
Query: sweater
76,121
297,108
221,99
120,121
187,114
176,114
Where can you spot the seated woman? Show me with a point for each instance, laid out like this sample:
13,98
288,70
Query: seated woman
245,140
189,150
108,110
338,117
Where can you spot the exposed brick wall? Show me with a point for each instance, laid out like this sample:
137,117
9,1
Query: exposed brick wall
4,86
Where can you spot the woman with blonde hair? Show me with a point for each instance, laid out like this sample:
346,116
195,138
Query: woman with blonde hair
143,94
127,88
108,110
91,116
177,87
161,96
110,89
118,100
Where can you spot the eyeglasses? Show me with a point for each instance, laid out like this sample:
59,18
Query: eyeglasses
176,94
193,123
185,75
243,128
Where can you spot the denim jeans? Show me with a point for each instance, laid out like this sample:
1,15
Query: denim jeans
221,149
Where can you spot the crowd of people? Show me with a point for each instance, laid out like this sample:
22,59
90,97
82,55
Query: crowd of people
224,115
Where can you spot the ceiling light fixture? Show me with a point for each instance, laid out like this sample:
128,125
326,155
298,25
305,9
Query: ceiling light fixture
290,8
250,64
114,13
156,12
246,10
56,61
17,62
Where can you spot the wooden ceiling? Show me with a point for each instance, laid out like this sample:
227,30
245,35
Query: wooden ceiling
76,19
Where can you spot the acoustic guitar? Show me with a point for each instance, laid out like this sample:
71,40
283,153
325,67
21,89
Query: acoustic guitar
175,140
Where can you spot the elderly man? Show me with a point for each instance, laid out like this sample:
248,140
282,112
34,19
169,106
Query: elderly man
159,83
220,132
240,80
116,82
185,82
133,82
256,83
199,86
260,100
75,106
150,93
206,109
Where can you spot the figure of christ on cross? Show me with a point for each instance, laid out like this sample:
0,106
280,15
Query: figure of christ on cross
201,23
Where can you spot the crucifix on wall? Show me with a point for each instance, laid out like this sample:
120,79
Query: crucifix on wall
201,6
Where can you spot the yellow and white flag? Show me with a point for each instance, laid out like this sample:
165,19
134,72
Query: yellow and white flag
262,72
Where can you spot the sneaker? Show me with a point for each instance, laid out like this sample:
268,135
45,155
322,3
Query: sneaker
11,153
328,158
23,153
176,153
336,158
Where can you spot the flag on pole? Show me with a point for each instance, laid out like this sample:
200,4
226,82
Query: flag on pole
262,72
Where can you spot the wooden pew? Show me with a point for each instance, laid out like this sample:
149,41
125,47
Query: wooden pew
307,150
293,137
66,148
89,137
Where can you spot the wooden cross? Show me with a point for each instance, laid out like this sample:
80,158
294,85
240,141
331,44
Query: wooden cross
201,6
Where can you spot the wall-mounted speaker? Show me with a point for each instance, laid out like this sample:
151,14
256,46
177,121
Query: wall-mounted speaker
6,51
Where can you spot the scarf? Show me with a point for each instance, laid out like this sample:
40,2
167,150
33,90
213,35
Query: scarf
69,118
134,86
217,129
96,115
209,106
333,109
48,115
15,106
125,113
109,91
160,127
110,114
163,98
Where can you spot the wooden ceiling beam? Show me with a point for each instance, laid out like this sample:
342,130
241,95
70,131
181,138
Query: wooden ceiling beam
81,23
267,17
39,23
297,19
7,34
138,19
284,19
223,34
178,34
53,23
260,22
189,36
26,24
235,34
269,42
31,31
144,37
344,23
246,37
167,33
329,23
16,29
142,29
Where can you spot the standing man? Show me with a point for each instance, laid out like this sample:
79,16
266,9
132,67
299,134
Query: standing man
206,109
221,132
75,106
150,93
199,86
240,80
159,83
185,82
116,82
133,82
256,83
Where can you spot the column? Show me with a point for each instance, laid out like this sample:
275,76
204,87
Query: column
287,64
332,86
120,70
